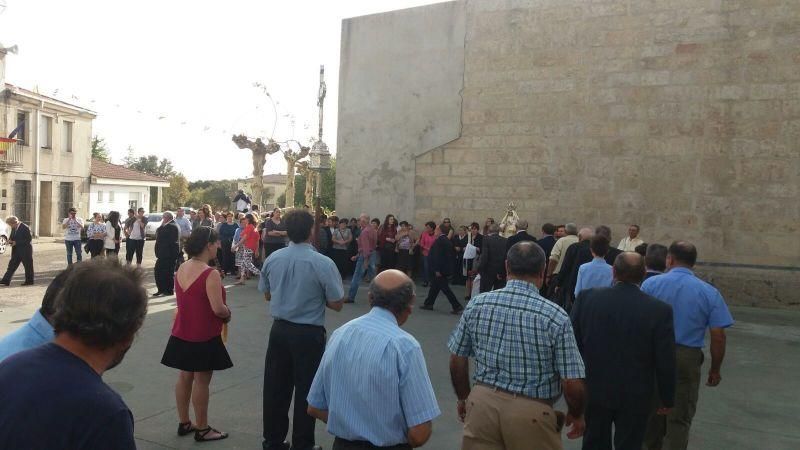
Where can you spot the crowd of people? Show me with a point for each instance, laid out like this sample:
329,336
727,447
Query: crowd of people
616,331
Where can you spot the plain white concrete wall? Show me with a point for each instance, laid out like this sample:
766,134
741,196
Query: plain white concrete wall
400,82
122,194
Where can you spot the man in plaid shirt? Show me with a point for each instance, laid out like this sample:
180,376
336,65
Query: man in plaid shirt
525,355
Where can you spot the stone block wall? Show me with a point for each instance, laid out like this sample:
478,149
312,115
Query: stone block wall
682,116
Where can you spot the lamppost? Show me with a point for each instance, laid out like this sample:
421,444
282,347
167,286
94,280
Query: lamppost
319,157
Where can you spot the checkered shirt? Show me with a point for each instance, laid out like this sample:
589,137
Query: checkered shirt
521,342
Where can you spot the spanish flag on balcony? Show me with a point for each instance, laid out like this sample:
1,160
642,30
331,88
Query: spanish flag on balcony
6,144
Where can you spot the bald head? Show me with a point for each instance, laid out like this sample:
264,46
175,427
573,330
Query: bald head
585,233
629,268
392,290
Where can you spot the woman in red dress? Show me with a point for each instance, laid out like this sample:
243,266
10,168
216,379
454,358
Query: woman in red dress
248,241
195,346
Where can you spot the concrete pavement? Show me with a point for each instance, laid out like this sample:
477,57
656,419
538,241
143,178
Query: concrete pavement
754,407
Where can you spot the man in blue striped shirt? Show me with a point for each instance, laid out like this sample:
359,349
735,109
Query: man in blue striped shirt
372,386
525,353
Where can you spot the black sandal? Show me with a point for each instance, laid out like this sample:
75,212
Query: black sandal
186,428
200,435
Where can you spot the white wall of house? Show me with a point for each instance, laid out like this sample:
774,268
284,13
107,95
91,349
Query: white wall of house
117,197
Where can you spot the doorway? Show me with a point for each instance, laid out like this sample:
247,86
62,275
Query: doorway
46,208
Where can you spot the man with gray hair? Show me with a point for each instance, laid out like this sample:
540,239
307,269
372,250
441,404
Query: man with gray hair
521,235
167,250
21,251
372,387
525,356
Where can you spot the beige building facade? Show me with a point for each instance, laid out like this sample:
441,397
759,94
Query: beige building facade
46,171
681,116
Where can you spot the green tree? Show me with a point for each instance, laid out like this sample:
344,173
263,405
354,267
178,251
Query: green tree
99,149
177,193
216,193
152,165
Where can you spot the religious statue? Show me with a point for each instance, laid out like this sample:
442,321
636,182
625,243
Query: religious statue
311,177
259,150
508,226
292,158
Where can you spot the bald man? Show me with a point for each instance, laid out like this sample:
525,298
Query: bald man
372,387
626,339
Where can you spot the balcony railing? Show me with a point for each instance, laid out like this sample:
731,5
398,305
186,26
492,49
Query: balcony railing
10,154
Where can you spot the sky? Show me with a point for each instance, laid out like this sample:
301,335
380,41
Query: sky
175,77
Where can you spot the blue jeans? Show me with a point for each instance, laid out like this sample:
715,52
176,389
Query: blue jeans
358,274
76,245
373,265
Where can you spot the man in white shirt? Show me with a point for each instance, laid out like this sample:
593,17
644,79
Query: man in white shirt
72,226
630,243
134,234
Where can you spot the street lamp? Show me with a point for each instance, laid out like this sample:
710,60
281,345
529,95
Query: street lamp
319,158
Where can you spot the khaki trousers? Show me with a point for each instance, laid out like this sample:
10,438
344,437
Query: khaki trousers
501,421
671,432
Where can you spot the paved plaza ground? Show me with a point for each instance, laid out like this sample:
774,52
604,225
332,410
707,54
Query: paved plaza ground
755,407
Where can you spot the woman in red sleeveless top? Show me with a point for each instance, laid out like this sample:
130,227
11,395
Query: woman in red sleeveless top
195,346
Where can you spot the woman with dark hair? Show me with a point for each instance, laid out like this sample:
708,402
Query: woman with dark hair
226,231
471,254
96,232
386,243
460,242
113,230
425,243
404,248
248,243
202,219
195,346
274,234
341,236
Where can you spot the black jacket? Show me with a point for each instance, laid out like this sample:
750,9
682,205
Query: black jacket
442,256
627,340
547,243
22,240
167,236
519,237
493,256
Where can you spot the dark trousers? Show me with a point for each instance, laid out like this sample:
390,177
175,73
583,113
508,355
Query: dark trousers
344,444
441,284
490,282
134,246
227,256
20,256
293,356
270,248
164,272
96,247
629,422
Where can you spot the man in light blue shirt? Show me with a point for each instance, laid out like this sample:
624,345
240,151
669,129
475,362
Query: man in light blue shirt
37,330
299,284
597,272
395,412
185,226
696,306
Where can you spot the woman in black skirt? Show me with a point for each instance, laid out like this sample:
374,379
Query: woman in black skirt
195,346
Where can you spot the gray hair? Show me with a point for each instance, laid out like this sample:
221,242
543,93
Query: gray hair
522,224
169,214
585,233
571,228
11,220
494,228
526,258
396,300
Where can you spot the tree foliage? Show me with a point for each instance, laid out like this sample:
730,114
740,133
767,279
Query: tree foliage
177,194
100,150
328,199
150,164
218,194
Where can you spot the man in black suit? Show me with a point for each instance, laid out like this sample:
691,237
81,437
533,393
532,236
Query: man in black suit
522,235
167,251
442,258
21,251
627,340
548,240
564,294
492,262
